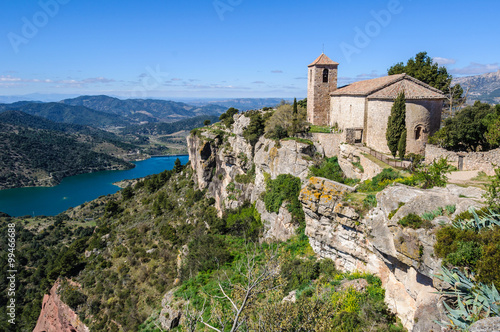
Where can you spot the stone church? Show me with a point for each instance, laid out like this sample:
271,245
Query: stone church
361,109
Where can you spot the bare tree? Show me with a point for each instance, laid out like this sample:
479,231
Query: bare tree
256,275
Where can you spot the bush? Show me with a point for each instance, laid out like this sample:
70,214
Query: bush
433,175
286,187
330,169
414,221
299,273
380,181
227,118
206,252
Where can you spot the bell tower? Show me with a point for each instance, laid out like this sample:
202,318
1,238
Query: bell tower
321,81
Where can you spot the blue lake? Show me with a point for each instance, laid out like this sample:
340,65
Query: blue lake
78,189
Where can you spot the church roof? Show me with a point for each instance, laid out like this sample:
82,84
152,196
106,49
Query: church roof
388,87
323,60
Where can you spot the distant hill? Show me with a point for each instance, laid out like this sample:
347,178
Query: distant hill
35,151
243,104
59,112
485,88
168,128
145,110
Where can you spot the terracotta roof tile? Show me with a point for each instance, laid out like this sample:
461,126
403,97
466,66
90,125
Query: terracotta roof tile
388,87
323,60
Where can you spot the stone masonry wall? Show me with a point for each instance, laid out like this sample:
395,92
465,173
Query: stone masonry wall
422,113
348,112
472,161
318,94
328,143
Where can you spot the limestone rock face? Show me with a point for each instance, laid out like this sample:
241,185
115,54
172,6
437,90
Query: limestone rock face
218,157
402,257
56,316
491,324
171,311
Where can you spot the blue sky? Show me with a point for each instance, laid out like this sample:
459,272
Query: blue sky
230,48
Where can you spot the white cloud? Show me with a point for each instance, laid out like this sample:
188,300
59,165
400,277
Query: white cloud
476,69
444,61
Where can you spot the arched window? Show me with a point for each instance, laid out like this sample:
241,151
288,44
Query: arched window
325,75
418,133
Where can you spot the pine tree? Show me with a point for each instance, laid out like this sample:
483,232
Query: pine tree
402,145
177,165
396,124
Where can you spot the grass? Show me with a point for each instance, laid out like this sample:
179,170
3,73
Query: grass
320,129
376,161
299,140
482,177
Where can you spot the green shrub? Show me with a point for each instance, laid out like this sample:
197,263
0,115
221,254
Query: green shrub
393,212
414,221
247,178
227,118
299,273
330,169
285,188
380,181
370,201
433,175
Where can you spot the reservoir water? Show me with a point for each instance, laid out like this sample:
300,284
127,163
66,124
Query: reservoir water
78,189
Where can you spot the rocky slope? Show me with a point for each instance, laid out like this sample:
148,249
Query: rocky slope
56,316
402,257
483,87
217,157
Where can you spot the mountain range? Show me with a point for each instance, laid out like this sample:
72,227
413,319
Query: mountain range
485,87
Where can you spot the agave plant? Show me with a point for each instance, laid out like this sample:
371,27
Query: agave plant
477,223
472,300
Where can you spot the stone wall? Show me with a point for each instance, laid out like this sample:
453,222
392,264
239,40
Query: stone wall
318,93
472,161
425,114
347,111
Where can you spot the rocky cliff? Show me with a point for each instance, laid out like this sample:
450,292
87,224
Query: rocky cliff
402,257
56,316
219,156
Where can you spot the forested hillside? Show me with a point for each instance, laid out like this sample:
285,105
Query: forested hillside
148,110
35,151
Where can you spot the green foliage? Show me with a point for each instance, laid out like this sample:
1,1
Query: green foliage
396,124
393,212
414,221
380,181
285,123
493,191
433,175
167,128
243,222
472,301
227,118
370,201
320,129
71,296
177,165
402,144
299,273
206,252
423,68
127,193
255,129
112,208
285,188
329,168
247,178
466,130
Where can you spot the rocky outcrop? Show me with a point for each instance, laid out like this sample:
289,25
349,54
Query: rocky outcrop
491,324
218,156
57,316
171,311
402,257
